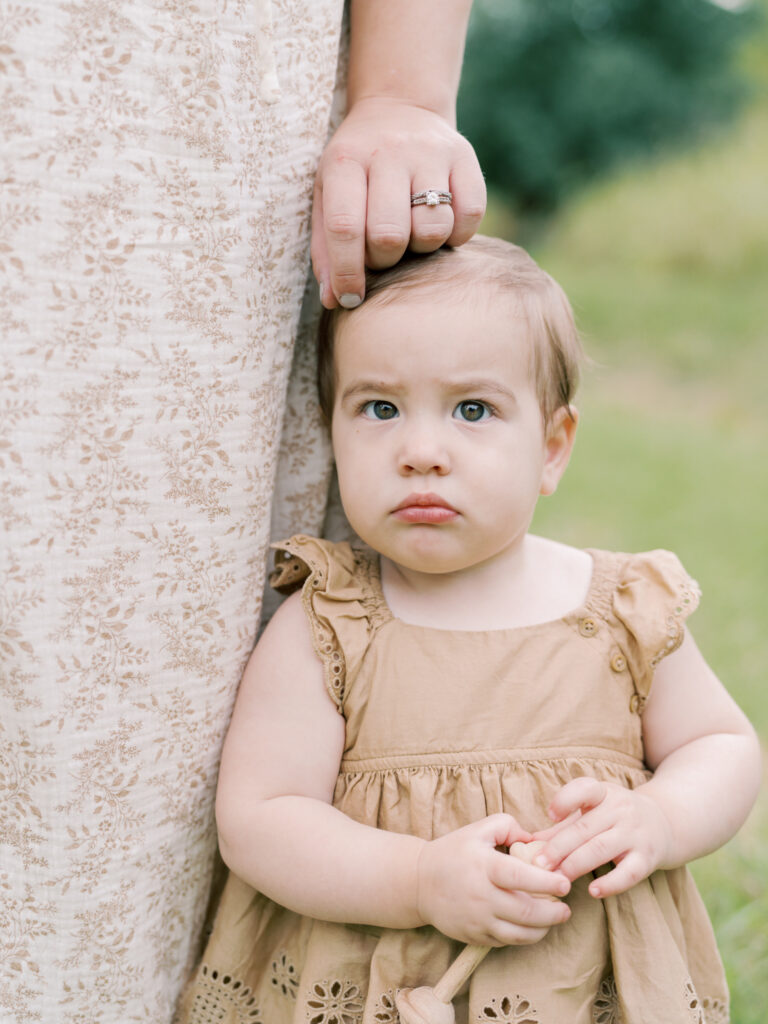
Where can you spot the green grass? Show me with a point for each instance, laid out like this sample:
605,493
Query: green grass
666,266
667,269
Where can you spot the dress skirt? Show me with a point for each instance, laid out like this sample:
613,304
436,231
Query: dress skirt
156,168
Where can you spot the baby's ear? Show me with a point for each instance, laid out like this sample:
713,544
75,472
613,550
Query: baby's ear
558,445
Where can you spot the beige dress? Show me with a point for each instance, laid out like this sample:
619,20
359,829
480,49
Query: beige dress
443,728
156,167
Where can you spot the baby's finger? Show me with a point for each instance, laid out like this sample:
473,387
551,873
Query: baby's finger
501,830
603,848
469,198
628,872
524,910
560,851
579,794
506,933
546,834
510,874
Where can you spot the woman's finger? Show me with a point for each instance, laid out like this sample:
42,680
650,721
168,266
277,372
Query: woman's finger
469,197
388,220
344,188
431,225
318,251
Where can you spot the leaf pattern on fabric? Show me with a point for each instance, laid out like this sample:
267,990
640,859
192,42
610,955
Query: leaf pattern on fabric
154,229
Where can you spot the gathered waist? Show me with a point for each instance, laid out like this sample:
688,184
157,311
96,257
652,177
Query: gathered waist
476,759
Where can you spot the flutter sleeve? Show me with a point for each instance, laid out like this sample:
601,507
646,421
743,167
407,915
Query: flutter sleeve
653,597
332,596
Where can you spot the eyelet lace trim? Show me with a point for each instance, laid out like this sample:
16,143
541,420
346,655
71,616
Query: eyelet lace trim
285,977
606,1008
706,1010
385,1011
509,1010
217,995
291,570
687,599
715,1011
334,1002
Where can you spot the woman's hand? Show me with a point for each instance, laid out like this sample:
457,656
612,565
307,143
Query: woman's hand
599,822
385,150
475,893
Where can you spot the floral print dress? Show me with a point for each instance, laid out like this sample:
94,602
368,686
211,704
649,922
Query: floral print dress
156,167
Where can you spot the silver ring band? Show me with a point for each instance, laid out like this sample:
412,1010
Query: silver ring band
431,197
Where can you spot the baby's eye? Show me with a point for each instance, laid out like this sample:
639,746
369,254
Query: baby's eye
379,410
472,412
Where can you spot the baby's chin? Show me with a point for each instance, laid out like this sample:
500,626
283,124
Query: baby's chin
424,550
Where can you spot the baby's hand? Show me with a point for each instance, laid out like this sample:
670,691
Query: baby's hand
599,822
475,893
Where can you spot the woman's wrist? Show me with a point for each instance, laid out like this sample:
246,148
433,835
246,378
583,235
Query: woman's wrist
408,53
368,99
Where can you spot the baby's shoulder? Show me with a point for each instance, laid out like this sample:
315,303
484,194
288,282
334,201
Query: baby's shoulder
335,602
565,573
287,638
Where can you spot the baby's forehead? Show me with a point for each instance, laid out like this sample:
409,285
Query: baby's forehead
472,308
420,298
434,336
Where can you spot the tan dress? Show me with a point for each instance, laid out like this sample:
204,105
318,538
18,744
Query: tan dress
443,728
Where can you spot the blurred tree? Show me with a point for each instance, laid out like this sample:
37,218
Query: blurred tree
556,92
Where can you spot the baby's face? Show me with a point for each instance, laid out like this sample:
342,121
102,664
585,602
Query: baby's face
437,430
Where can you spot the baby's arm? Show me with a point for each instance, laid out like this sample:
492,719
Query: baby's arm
279,832
707,767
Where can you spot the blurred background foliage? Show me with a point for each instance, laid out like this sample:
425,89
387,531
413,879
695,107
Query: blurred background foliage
625,142
557,92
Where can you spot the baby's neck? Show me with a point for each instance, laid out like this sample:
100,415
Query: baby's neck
538,581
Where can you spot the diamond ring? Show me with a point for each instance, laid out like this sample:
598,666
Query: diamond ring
431,197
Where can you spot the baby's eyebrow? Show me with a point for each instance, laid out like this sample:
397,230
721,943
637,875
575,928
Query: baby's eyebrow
367,387
481,385
475,386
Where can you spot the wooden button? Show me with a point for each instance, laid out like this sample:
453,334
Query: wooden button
618,661
588,626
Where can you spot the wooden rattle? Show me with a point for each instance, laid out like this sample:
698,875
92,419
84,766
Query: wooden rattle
434,1005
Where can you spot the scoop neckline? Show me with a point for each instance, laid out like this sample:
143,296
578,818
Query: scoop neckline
589,605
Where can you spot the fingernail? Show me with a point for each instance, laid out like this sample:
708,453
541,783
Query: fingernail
542,861
350,301
564,887
321,292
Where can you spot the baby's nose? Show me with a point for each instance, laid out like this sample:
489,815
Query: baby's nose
424,452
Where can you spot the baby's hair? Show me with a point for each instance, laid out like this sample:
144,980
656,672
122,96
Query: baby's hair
481,263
